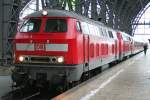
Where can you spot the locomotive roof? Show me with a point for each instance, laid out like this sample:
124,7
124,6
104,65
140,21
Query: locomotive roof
62,13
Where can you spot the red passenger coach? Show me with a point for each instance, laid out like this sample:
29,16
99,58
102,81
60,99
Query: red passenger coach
125,45
137,46
57,47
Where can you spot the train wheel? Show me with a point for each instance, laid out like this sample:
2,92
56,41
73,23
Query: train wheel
60,85
75,83
85,76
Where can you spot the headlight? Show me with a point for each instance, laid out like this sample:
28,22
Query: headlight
21,58
60,59
44,13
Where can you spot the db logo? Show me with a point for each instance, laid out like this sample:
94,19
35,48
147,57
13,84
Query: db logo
39,47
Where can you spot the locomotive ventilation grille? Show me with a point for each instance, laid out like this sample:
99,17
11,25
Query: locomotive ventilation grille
41,59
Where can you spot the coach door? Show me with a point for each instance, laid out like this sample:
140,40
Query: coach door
116,49
86,51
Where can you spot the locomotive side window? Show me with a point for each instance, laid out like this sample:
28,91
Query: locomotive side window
89,27
92,29
32,25
78,26
56,25
85,29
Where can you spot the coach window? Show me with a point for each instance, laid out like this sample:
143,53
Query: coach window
31,25
110,34
56,25
113,48
106,49
97,49
92,50
103,49
101,32
125,38
114,34
94,30
97,31
129,38
105,32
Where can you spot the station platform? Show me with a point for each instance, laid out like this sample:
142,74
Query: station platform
128,80
5,80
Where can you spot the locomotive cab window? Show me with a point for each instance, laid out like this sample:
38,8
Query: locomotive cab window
31,25
56,25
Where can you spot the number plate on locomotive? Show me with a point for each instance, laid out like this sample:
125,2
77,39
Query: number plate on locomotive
39,47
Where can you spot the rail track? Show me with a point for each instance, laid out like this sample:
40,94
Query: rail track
21,94
34,94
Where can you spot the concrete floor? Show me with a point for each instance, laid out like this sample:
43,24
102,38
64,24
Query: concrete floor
129,80
5,80
5,85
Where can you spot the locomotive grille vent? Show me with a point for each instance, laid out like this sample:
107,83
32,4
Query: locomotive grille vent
40,59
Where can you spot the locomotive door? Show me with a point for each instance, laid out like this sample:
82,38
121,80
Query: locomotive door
86,52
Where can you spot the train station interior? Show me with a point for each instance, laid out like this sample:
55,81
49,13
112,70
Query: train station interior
100,51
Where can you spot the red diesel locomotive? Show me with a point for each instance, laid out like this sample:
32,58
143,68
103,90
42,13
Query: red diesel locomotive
61,47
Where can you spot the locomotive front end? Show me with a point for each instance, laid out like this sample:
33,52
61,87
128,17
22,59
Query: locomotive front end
43,51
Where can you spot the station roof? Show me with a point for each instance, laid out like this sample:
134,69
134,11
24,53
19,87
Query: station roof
133,6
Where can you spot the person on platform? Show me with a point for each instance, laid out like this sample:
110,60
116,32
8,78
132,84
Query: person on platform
145,48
